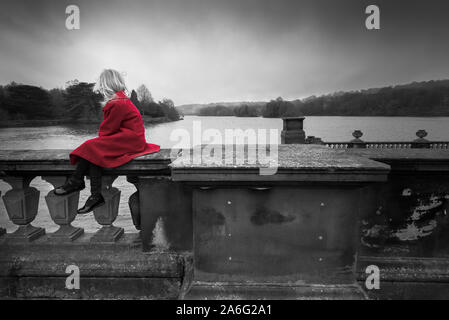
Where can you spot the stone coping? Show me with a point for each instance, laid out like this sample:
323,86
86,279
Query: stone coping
54,161
291,163
288,156
401,154
407,160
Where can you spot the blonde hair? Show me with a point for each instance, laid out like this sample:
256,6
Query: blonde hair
110,82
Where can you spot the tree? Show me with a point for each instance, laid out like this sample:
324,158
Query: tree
168,107
57,102
145,98
144,95
27,102
245,110
136,101
81,102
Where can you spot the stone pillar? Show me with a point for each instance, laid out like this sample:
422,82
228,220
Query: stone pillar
160,197
278,236
2,231
106,214
292,132
22,203
63,210
357,143
421,142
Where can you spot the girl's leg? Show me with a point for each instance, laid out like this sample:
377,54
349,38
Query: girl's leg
76,181
96,198
95,178
81,170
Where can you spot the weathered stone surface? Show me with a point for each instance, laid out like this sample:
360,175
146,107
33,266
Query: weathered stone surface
406,269
122,258
160,197
310,157
106,214
407,159
21,203
25,233
284,235
225,291
40,261
62,210
290,229
107,271
287,163
397,290
407,277
56,162
140,288
108,234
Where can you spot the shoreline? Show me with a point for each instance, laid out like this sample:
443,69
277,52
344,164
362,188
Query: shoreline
58,122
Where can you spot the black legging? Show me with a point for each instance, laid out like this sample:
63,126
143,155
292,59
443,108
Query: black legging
84,167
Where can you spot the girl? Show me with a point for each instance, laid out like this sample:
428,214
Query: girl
121,138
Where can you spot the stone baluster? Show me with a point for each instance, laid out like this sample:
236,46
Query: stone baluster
134,208
2,231
63,211
106,214
421,142
357,143
133,202
22,203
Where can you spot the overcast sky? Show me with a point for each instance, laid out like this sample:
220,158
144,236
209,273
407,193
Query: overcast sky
198,51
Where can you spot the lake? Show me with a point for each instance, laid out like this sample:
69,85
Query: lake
327,128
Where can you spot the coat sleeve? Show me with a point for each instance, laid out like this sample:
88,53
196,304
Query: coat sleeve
113,117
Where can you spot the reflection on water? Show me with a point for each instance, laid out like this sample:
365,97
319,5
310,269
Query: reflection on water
71,136
328,128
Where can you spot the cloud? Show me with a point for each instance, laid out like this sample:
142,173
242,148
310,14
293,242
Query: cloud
214,50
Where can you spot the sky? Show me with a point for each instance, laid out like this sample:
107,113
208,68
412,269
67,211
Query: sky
201,51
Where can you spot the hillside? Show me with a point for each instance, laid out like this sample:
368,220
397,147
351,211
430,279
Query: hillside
429,98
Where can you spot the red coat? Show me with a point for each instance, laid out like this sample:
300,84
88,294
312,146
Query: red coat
120,139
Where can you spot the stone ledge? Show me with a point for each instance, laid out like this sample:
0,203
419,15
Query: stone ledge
107,271
291,163
230,291
56,161
428,160
407,269
122,259
407,277
116,288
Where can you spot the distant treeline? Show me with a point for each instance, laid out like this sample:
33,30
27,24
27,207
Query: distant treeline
243,110
77,102
416,99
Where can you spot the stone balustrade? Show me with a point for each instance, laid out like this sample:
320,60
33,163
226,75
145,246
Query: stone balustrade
420,143
19,168
182,194
231,231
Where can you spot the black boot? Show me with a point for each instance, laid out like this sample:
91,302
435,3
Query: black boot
69,187
94,201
